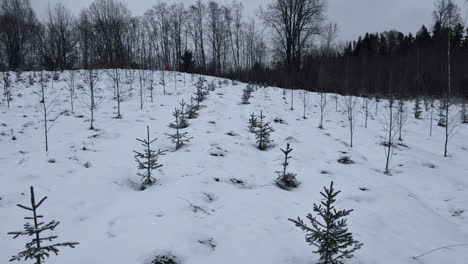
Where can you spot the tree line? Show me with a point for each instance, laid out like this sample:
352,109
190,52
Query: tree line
382,64
219,40
204,37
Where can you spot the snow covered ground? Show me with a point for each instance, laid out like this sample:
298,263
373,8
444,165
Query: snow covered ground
90,178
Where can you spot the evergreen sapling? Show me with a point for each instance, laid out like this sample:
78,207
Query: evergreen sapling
212,86
200,94
331,237
36,249
178,138
183,123
246,96
253,123
148,160
286,180
192,109
262,133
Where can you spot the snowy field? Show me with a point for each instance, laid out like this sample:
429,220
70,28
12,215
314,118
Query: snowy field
240,215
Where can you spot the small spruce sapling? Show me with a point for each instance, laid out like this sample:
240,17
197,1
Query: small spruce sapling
262,133
200,93
246,96
36,249
286,180
212,86
178,138
192,109
148,160
183,123
253,123
464,113
31,79
331,237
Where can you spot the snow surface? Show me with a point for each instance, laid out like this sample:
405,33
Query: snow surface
423,205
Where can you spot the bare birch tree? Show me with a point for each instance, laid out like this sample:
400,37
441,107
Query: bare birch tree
47,108
91,77
305,99
390,129
71,88
447,13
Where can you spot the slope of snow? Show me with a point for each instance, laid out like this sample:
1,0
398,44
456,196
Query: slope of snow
423,205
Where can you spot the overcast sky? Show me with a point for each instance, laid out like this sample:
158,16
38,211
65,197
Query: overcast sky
354,17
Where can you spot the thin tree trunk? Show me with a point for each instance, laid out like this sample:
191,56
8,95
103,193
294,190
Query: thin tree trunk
149,156
432,118
447,98
44,109
91,87
305,104
389,142
292,99
367,110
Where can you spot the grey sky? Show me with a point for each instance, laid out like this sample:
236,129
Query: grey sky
354,17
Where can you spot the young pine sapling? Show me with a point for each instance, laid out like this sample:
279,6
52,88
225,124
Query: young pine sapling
262,133
36,250
246,93
330,234
200,93
192,109
286,180
183,123
212,86
179,138
253,123
148,160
